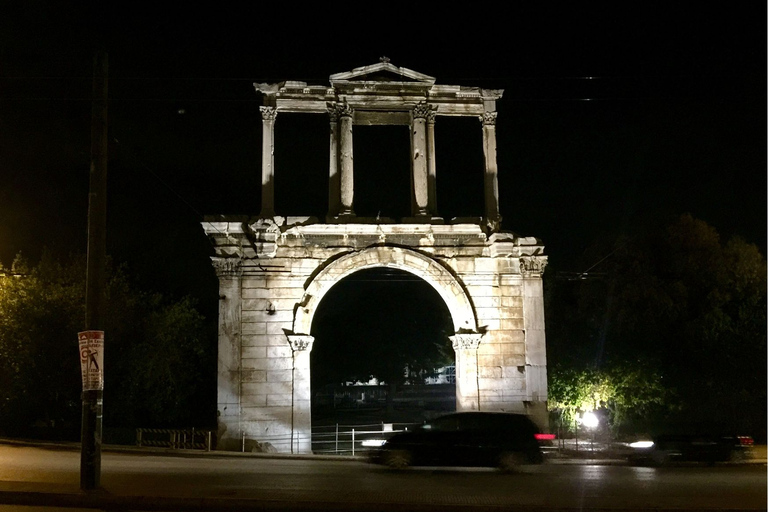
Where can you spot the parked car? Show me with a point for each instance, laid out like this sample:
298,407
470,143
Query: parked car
491,439
671,448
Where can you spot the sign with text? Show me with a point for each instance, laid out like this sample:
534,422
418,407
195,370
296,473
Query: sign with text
92,359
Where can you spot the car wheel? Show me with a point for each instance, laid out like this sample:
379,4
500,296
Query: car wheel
398,459
661,458
738,456
511,461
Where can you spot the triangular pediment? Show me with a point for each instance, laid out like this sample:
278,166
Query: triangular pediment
382,72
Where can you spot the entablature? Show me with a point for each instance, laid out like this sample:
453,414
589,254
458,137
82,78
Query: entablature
378,88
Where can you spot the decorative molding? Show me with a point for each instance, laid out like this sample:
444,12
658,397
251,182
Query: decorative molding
228,267
533,264
468,341
268,113
300,342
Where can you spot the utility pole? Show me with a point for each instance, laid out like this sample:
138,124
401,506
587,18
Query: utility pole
92,339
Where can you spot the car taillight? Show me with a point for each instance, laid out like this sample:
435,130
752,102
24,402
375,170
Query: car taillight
745,440
544,437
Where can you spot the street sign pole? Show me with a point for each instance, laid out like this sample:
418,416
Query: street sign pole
93,398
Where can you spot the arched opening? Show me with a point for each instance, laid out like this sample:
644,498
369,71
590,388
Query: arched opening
381,352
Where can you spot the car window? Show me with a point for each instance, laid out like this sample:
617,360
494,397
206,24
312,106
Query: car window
444,424
473,422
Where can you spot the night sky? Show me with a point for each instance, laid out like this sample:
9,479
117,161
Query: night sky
612,113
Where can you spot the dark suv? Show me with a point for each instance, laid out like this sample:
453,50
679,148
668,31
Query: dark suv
707,448
494,439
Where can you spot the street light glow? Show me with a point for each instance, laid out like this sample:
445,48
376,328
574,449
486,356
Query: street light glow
589,419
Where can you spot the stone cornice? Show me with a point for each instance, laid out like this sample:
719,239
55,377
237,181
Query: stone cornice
256,238
503,245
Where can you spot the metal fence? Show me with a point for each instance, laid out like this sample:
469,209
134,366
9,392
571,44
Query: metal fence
353,439
336,439
177,439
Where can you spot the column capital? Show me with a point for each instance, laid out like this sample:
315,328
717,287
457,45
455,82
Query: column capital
300,342
227,267
489,118
532,264
268,113
333,111
340,109
466,341
424,110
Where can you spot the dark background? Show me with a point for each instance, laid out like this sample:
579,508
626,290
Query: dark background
613,113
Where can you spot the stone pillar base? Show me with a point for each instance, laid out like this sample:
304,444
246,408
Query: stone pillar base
423,219
539,414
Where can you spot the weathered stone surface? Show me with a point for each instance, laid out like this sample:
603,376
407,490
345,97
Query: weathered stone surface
279,376
254,376
282,350
253,352
267,364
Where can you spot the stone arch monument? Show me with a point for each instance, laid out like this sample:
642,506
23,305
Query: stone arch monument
273,271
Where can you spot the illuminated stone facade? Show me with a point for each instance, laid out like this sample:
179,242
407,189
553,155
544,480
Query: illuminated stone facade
274,271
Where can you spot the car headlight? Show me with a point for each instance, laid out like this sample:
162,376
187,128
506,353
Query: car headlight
641,444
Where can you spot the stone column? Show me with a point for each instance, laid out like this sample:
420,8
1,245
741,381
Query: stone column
268,115
301,400
346,160
431,164
491,184
334,183
467,387
419,163
229,272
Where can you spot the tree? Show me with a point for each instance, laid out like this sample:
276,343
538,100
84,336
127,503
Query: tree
572,391
41,310
687,305
629,393
156,352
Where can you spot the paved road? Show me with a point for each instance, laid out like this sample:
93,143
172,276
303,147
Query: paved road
45,477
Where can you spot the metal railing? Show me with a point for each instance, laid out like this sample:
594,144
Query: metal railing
351,439
177,439
336,439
